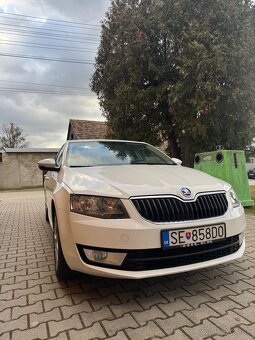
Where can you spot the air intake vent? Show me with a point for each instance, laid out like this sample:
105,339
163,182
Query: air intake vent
171,209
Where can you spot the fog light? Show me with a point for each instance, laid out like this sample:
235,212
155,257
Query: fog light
101,256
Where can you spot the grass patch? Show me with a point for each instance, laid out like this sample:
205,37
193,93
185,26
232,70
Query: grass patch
251,210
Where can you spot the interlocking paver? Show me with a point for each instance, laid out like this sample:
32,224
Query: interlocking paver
36,318
7,295
196,300
204,330
121,309
5,315
151,314
74,309
178,335
153,300
150,331
20,323
60,292
95,331
17,311
237,334
102,314
244,299
240,286
220,292
175,293
12,286
199,314
56,327
39,332
105,301
116,325
229,321
119,336
212,303
224,305
32,298
249,329
14,302
248,312
27,291
171,324
50,304
171,308
5,336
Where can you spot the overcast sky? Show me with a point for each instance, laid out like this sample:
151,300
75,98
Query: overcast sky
27,30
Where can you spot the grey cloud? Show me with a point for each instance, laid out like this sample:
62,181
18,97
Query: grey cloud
44,118
87,10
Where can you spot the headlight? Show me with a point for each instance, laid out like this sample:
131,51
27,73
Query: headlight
96,206
234,199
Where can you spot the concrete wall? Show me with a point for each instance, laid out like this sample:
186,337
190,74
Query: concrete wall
20,170
251,164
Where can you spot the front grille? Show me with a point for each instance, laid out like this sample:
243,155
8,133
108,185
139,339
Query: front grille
149,259
171,209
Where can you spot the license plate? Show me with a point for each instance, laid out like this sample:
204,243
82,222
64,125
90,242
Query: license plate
192,236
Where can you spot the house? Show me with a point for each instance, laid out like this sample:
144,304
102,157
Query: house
92,129
18,167
86,129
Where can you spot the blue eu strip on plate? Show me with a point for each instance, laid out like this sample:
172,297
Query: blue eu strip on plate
165,242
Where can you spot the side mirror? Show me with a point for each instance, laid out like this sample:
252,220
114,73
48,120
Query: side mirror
177,161
48,164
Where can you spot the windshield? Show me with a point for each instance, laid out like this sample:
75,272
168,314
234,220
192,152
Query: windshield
99,153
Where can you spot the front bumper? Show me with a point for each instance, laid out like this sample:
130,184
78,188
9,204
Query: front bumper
142,274
135,235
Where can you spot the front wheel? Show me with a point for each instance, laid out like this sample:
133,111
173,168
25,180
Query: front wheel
63,272
46,214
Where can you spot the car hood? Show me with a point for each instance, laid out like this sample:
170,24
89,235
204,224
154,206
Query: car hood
137,180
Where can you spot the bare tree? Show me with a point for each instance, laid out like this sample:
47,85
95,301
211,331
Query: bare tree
11,136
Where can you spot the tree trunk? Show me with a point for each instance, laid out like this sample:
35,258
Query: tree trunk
172,147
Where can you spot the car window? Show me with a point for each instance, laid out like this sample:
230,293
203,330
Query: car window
99,153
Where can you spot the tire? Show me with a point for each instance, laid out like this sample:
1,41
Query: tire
46,214
63,272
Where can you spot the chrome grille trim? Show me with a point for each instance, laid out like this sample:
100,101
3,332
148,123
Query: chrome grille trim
169,208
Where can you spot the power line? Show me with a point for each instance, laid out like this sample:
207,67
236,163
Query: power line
48,46
50,30
42,84
48,19
87,26
48,34
46,92
25,90
74,61
63,39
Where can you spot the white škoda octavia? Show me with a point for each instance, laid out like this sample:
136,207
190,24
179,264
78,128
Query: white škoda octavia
125,210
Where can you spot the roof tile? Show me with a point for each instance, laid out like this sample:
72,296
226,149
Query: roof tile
88,129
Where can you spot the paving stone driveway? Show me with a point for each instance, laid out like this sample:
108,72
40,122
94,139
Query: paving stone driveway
216,303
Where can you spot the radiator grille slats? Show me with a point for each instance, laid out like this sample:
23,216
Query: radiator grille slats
171,209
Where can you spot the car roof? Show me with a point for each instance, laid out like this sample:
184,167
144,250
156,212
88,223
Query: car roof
103,140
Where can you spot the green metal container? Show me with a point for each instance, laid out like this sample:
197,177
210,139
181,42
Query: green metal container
230,166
